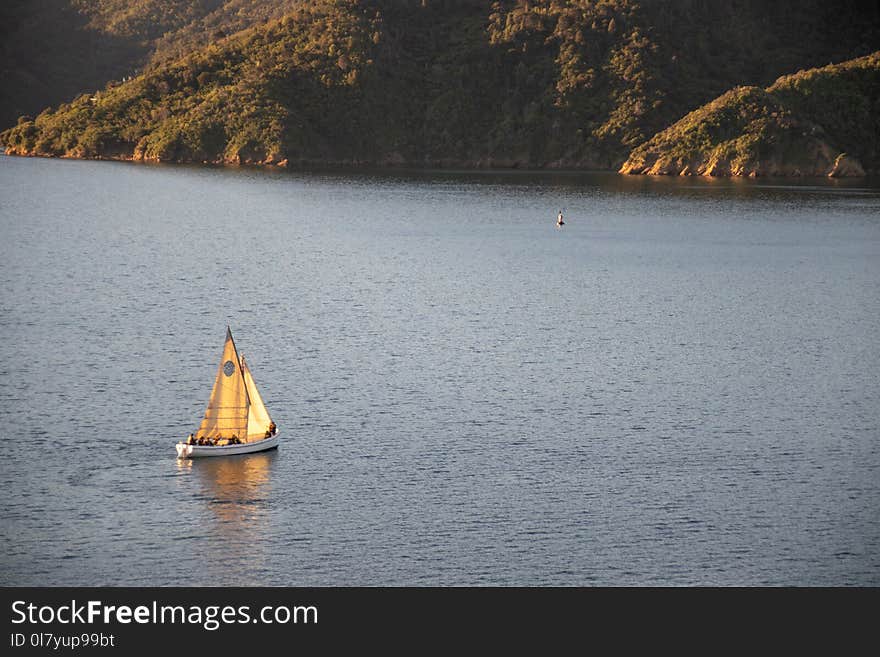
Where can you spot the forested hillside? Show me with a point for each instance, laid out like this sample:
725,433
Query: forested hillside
54,50
515,83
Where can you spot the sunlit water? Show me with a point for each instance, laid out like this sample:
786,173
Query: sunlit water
679,387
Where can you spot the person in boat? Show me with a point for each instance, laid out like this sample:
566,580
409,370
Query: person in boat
272,429
190,440
559,221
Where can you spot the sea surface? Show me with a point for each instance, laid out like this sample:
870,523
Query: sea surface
680,387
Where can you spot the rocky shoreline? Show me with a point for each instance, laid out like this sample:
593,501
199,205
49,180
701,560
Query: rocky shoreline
844,166
826,164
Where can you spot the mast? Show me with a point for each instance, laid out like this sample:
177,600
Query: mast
240,360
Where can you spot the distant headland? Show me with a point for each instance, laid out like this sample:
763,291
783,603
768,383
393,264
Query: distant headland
820,122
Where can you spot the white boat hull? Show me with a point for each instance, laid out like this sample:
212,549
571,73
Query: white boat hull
185,451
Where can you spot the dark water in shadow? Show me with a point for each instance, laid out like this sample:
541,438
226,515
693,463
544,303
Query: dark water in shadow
680,387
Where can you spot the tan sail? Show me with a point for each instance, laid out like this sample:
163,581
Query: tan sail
258,417
227,412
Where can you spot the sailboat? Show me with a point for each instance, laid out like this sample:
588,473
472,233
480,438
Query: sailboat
236,420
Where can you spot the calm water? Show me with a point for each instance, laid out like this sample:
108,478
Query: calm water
679,387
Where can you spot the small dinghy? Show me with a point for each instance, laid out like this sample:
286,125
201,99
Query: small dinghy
236,420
